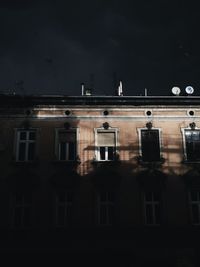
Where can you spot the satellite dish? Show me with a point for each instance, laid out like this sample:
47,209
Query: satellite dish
189,90
176,90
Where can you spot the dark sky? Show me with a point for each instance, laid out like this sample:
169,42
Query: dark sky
53,46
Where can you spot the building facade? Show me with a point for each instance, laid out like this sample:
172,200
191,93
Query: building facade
112,175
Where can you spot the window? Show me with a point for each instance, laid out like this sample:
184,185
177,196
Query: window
26,140
106,146
192,145
105,208
64,209
152,208
66,145
194,201
150,145
21,210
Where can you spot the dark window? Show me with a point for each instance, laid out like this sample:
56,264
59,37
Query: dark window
150,145
64,209
106,208
152,208
66,145
194,198
21,206
192,139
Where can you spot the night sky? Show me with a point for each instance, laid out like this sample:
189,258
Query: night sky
50,47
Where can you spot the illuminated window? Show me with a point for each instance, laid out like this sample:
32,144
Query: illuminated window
26,142
194,200
66,145
105,208
152,212
21,210
150,145
64,209
106,146
192,145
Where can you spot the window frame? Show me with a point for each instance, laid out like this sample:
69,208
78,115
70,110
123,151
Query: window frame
97,148
153,204
66,204
184,144
107,204
17,144
14,205
193,202
139,130
57,146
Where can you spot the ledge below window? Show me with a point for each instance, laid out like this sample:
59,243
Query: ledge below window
150,163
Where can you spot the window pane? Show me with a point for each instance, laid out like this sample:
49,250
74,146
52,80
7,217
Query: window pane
110,153
150,145
23,135
194,196
27,216
148,196
63,151
149,214
157,214
31,151
72,154
102,153
22,152
156,196
18,216
103,214
32,135
61,215
192,138
195,213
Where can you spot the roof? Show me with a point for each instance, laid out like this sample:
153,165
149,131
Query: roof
35,100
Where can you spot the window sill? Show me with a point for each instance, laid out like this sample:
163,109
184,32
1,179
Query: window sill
150,163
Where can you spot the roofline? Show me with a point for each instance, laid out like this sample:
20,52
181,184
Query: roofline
32,100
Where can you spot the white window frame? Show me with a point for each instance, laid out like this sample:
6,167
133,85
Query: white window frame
107,203
22,205
66,204
57,145
97,148
139,131
27,142
153,204
184,141
194,202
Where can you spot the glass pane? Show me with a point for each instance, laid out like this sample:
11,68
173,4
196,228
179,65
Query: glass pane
61,216
149,214
102,153
23,135
110,153
27,216
194,195
72,154
19,199
150,145
103,196
110,214
148,196
32,135
61,197
69,196
157,214
62,151
31,151
103,215
18,216
22,152
156,196
195,214
68,215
